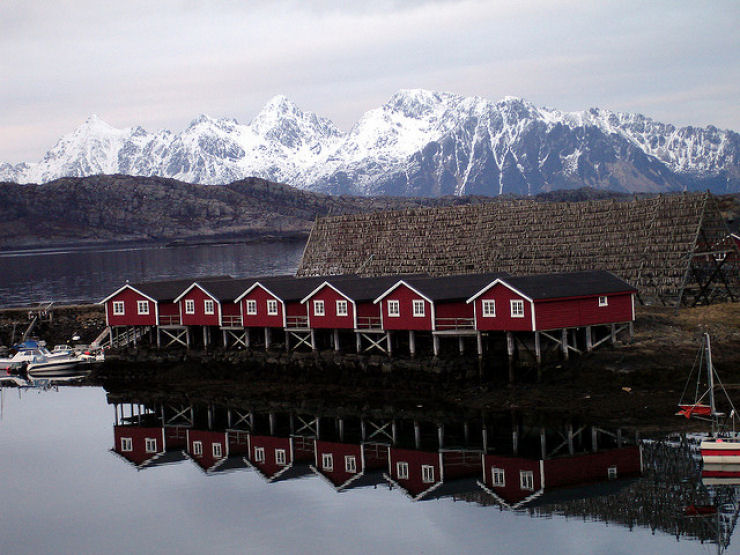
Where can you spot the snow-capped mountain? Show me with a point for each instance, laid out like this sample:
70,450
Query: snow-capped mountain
419,143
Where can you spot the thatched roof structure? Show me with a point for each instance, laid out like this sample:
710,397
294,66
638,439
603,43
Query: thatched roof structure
673,248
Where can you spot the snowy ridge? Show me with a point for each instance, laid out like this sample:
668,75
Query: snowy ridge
418,143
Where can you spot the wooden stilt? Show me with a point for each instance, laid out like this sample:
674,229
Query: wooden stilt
614,334
313,340
594,439
538,354
187,337
358,342
268,338
631,330
412,343
510,354
417,435
571,448
271,418
589,340
479,343
390,346
484,433
287,341
341,429
543,443
159,339
226,341
205,336
515,441
461,344
435,344
564,343
441,435
393,432
363,430
336,340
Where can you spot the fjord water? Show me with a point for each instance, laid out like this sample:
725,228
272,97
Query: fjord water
90,274
64,489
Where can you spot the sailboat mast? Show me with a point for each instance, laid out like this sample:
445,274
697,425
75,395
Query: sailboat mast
710,375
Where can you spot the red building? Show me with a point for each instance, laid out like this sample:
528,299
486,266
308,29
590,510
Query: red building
207,448
347,465
515,481
278,458
553,301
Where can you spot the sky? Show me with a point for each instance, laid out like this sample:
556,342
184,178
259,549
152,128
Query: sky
161,64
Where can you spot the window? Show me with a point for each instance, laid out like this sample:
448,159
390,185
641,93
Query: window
280,457
150,445
259,454
394,308
427,473
189,306
142,307
603,301
402,469
341,308
119,308
197,448
318,308
489,308
498,477
419,308
272,309
217,450
517,309
611,472
127,444
251,307
350,463
526,479
208,306
327,461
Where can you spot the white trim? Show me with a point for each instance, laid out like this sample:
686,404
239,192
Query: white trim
534,321
127,286
398,470
327,462
284,454
492,303
147,441
251,288
319,288
247,306
518,302
414,304
397,305
632,296
353,460
209,311
140,303
315,304
502,472
272,312
427,469
396,286
496,282
338,303
122,305
199,286
605,301
191,303
126,444
345,296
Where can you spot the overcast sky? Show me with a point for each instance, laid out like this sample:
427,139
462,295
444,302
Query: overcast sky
161,63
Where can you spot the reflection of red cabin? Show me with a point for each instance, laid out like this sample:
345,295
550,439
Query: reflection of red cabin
207,448
345,465
139,445
553,301
130,307
516,481
420,473
279,457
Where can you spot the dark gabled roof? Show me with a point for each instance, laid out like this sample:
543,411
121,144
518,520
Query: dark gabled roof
291,289
451,288
227,290
168,290
363,289
569,284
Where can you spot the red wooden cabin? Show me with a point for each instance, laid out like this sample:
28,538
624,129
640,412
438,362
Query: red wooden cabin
280,457
139,445
347,465
198,306
553,301
207,448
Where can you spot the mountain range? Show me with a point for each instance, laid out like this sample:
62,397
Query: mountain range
420,143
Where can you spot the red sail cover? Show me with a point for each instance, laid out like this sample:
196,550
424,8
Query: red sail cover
694,410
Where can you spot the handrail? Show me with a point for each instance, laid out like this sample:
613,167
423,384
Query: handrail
296,321
368,322
169,319
231,320
455,323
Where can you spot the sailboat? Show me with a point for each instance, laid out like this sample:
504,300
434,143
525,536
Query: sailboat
723,446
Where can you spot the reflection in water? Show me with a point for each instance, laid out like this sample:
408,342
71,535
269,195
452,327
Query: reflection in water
91,274
506,461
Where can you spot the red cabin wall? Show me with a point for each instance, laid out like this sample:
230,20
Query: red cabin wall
200,318
338,475
138,436
450,314
414,485
130,316
593,467
330,320
511,491
502,321
368,314
169,314
207,438
261,319
571,313
406,319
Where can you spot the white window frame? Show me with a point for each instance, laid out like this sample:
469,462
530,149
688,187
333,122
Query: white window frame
517,308
350,464
189,306
327,462
150,444
488,308
197,448
251,307
272,307
259,454
127,444
419,309
318,308
119,308
526,480
280,457
427,473
342,308
142,308
611,472
498,477
603,300
209,307
402,470
218,450
394,308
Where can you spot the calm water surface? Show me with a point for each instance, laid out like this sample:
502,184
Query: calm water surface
64,489
91,274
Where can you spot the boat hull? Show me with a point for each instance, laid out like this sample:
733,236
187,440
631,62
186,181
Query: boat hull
55,368
720,452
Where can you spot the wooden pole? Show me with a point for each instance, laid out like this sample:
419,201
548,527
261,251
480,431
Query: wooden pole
417,435
388,342
510,353
287,341
538,355
159,339
313,340
441,435
614,334
336,340
479,343
461,344
205,336
564,343
543,443
589,340
358,342
268,338
412,344
435,344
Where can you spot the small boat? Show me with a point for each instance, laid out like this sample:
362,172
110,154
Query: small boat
723,446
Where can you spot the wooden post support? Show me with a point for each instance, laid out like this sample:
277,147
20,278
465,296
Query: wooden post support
313,340
479,343
110,336
363,430
631,330
210,417
589,340
271,418
537,349
336,340
268,338
247,337
388,341
461,344
287,341
412,344
594,439
510,354
515,441
341,429
441,435
393,431
619,437
205,336
133,335
435,344
571,448
358,342
564,343
226,341
614,334
417,435
484,433
159,339
543,444
187,337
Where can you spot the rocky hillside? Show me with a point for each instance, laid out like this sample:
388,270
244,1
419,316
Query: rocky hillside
122,208
419,143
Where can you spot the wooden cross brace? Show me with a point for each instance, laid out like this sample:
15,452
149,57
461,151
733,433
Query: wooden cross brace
380,430
310,425
240,338
180,412
175,337
374,344
303,339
